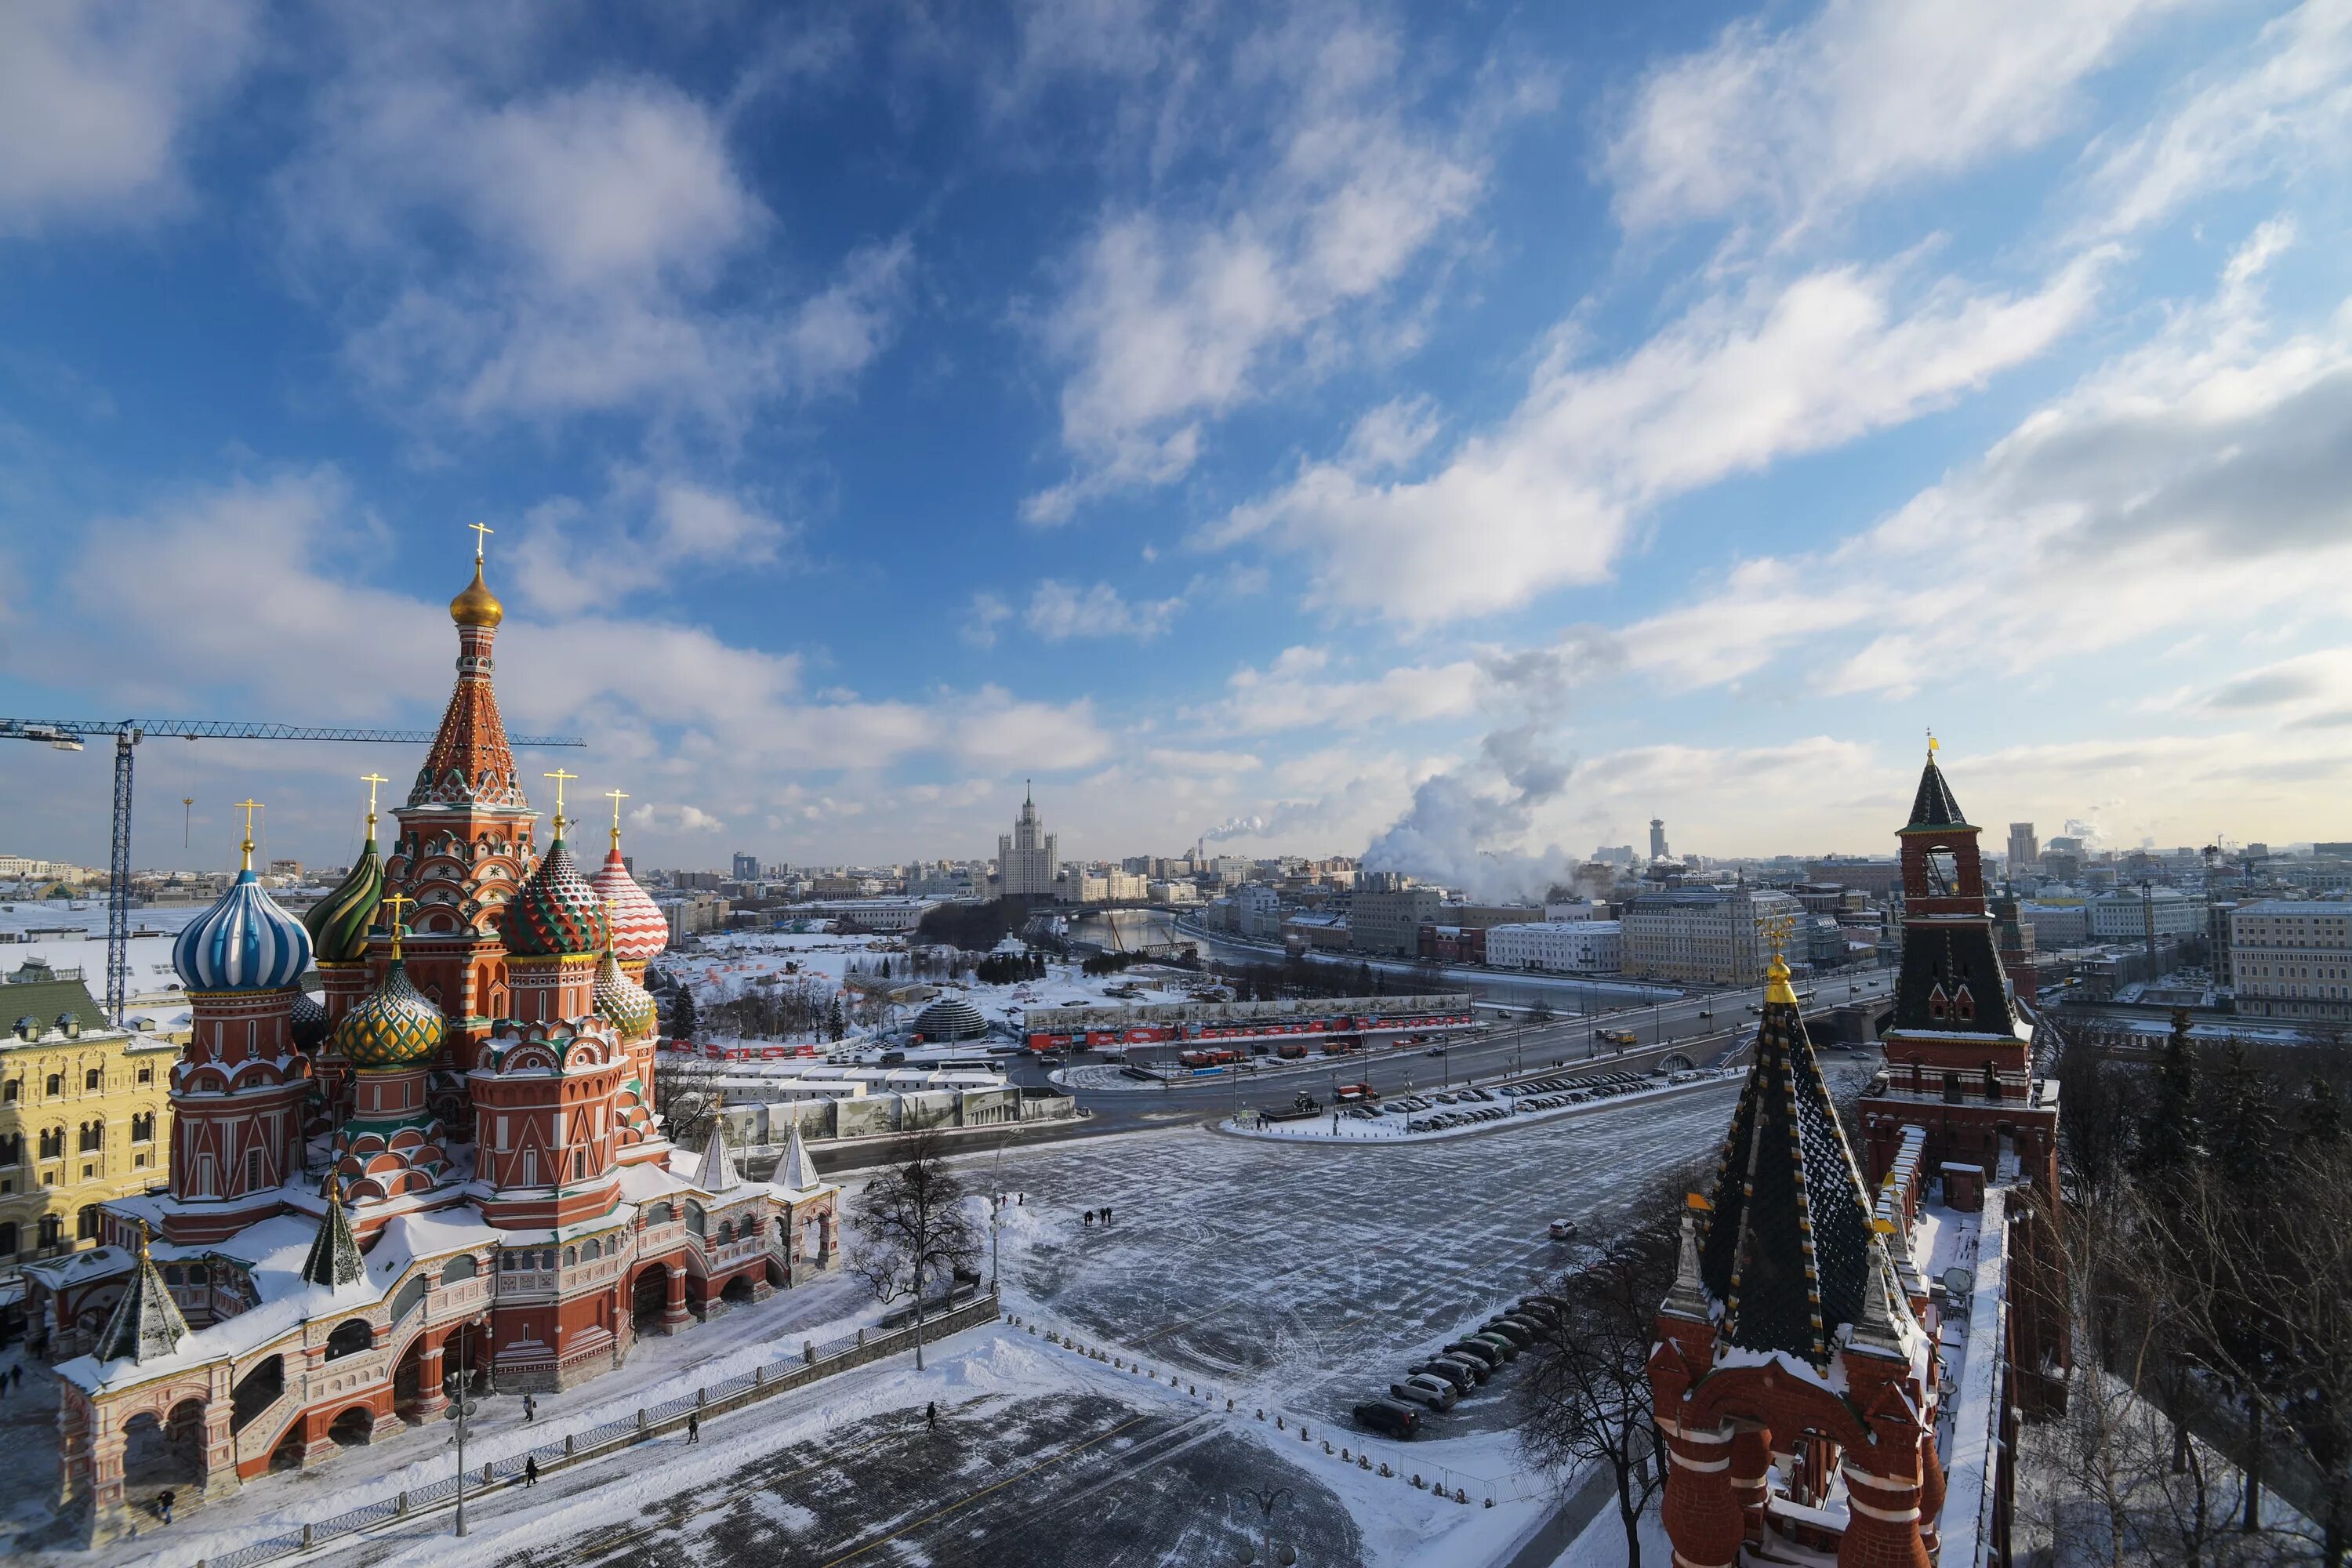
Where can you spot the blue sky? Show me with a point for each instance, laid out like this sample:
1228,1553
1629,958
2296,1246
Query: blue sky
1462,431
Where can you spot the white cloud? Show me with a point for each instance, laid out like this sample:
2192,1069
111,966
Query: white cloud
674,819
2196,482
1294,695
1170,321
2287,106
988,611
1740,381
559,251
649,529
1862,95
1058,611
97,99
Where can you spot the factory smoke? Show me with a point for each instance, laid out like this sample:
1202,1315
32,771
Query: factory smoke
1458,832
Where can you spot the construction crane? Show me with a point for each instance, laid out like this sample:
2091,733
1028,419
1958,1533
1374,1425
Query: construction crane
69,735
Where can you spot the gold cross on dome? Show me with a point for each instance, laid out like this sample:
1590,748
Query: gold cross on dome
249,807
616,798
372,780
481,531
398,903
560,778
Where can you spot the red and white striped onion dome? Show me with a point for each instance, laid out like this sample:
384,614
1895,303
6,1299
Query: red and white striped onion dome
639,931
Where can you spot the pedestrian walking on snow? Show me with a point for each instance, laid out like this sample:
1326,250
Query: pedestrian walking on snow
529,1408
693,1427
530,1473
931,1415
164,1504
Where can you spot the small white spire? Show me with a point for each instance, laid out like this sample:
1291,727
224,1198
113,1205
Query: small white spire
798,1172
1879,1325
717,1173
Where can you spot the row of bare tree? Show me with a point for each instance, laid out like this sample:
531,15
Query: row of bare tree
2209,1237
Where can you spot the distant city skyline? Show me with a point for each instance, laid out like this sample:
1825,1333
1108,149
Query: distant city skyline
1467,433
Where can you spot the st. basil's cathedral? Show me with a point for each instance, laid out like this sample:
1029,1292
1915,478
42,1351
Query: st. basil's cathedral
451,1159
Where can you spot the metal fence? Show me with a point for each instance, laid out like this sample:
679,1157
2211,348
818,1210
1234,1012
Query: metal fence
814,1361
1316,1435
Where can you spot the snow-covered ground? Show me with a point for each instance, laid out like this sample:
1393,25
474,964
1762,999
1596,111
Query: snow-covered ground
154,985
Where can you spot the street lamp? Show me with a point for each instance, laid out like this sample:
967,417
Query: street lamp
460,1410
1267,1501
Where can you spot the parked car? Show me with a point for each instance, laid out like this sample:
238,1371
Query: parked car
1389,1417
1450,1370
1519,1334
1508,1348
1478,1369
1541,1311
1425,1389
1563,1230
1488,1351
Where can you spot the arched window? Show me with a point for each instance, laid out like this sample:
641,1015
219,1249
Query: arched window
57,1084
570,1255
86,1223
11,1148
461,1266
591,1250
92,1080
53,1229
8,1244
53,1143
142,1127
93,1136
351,1337
11,1092
659,1214
694,1217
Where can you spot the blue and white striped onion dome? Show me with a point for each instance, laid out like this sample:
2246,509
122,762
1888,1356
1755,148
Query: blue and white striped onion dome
245,942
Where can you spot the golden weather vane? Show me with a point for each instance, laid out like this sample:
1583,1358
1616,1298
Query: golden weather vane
398,902
482,531
1933,743
616,798
560,778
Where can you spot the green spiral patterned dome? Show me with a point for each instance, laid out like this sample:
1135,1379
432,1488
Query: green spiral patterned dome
556,913
621,1002
339,922
394,1027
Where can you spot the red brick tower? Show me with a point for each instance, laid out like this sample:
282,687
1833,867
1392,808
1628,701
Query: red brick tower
1959,1057
1794,1385
1962,1066
465,843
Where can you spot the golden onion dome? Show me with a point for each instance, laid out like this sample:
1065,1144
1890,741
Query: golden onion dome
621,1002
395,1026
477,607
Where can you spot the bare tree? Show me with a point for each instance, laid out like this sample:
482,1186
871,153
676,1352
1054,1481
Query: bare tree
913,1228
1584,1392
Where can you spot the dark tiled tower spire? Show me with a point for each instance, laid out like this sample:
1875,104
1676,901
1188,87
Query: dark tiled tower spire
1787,1250
146,1321
334,1257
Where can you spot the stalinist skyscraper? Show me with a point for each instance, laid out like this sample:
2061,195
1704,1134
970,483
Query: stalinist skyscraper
1027,857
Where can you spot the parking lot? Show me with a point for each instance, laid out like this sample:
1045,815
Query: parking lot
1316,1276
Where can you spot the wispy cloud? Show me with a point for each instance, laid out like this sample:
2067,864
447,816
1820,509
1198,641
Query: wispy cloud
1741,381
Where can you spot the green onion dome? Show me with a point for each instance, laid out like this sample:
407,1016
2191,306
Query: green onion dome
395,1026
621,1002
555,913
339,922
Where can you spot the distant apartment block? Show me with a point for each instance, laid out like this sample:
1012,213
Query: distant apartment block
1561,947
1702,936
2293,959
1387,918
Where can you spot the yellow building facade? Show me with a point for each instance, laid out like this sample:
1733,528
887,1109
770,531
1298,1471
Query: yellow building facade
84,1116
